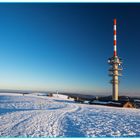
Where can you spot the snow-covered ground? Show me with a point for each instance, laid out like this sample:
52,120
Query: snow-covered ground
41,116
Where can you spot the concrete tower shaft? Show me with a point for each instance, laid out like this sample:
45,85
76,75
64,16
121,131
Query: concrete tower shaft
115,83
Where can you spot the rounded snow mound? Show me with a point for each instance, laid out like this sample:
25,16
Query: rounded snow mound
60,96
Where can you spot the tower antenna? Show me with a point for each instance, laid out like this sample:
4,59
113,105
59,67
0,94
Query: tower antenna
115,67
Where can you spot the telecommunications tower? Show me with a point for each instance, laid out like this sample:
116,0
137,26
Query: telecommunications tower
115,68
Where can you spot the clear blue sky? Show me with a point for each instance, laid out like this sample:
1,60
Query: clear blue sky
66,46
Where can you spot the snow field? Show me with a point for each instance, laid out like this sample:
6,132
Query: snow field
41,116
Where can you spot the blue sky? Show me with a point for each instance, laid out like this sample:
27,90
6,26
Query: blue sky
50,46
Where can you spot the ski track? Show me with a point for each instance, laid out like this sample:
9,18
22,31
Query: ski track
41,117
36,116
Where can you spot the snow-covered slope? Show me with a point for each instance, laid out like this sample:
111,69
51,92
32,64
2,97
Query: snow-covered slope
60,96
33,116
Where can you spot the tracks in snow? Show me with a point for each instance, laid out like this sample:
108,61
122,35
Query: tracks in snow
36,123
49,117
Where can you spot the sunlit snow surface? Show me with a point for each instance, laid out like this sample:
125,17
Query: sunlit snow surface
39,116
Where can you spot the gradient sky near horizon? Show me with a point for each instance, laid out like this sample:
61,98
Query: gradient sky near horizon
57,46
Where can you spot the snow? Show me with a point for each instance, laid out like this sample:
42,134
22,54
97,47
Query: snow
60,96
41,116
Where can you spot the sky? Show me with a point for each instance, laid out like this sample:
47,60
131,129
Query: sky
65,46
